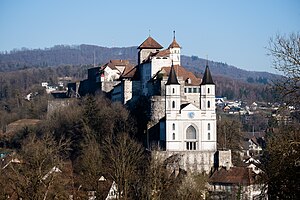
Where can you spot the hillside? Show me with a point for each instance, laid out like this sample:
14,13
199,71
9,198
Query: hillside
88,54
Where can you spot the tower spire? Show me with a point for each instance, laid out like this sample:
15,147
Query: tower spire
174,34
207,79
172,79
206,60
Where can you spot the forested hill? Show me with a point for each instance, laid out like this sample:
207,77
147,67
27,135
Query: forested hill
88,54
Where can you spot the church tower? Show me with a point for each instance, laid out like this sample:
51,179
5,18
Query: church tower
208,110
174,51
172,107
172,93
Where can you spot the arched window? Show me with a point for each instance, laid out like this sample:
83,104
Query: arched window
208,126
173,104
173,90
191,136
190,133
208,136
173,136
208,104
173,126
208,91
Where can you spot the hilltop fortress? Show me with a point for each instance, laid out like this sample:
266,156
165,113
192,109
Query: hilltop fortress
182,106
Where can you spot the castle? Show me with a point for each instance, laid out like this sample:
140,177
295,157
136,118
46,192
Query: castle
182,115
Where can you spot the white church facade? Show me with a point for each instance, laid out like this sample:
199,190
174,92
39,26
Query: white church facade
187,127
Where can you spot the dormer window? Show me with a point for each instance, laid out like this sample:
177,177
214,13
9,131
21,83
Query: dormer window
188,81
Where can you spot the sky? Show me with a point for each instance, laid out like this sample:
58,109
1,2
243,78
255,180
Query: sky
229,31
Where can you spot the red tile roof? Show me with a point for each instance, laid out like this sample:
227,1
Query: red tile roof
162,53
131,73
174,44
182,72
150,43
234,175
113,63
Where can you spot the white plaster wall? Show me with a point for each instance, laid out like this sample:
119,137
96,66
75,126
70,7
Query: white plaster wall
193,98
157,64
127,91
144,53
110,75
205,97
175,56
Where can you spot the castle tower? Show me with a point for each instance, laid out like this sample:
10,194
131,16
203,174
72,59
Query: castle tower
147,47
172,107
208,110
174,51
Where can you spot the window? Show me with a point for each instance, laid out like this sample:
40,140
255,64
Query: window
191,143
173,126
191,146
194,90
173,136
208,126
190,133
173,104
208,91
190,90
208,104
173,90
184,90
208,136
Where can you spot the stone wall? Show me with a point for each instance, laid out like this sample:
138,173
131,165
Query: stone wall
157,108
107,86
54,105
193,161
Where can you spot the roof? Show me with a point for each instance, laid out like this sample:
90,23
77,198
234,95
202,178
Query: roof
207,79
172,79
234,176
113,63
174,44
19,124
150,43
182,72
132,73
162,53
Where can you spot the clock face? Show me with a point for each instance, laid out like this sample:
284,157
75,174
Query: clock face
191,114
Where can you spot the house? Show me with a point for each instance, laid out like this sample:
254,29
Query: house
254,143
108,188
235,183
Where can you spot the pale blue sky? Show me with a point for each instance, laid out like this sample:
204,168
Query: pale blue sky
231,31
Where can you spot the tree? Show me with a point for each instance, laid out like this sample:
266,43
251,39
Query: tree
285,52
38,175
281,162
88,165
281,158
123,159
230,136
